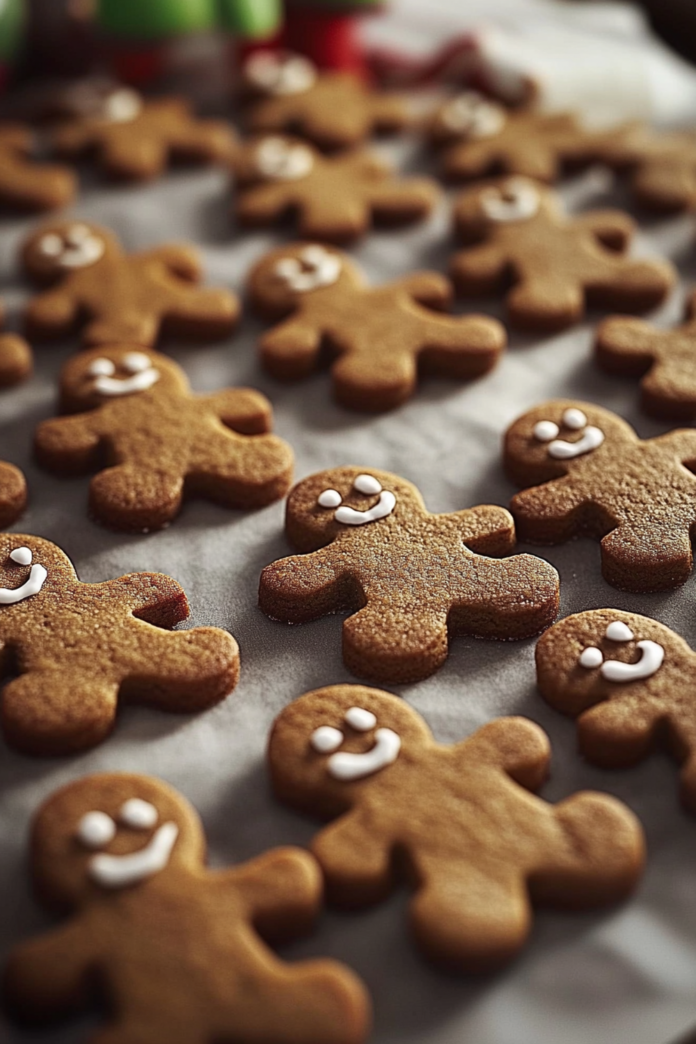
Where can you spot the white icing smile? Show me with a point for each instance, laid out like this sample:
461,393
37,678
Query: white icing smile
591,438
136,363
279,75
369,486
277,158
96,830
516,200
651,657
472,114
346,766
31,586
313,268
76,247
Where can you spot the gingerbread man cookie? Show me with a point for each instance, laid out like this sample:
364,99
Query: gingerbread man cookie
411,579
335,198
557,264
384,336
178,949
628,680
134,138
592,476
661,167
153,442
26,184
664,359
72,650
335,110
461,823
121,297
482,138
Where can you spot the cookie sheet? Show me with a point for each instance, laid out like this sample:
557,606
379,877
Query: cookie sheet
627,975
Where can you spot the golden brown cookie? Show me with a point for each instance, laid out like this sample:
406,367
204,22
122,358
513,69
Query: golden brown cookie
460,823
13,493
73,650
516,233
132,298
335,110
179,950
410,579
134,139
152,442
628,681
26,184
384,336
336,198
592,476
480,137
664,359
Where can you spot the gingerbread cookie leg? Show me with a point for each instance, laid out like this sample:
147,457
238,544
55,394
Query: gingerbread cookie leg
358,869
332,220
46,977
201,313
397,644
465,347
119,326
53,313
67,445
371,383
627,346
402,202
634,286
259,472
16,360
289,351
643,559
126,158
136,499
665,187
478,270
620,732
259,206
303,587
548,302
540,519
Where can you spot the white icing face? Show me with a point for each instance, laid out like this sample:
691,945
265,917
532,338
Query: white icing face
369,486
138,364
122,106
96,830
288,161
590,439
280,74
313,268
347,767
517,200
76,247
651,657
473,115
22,556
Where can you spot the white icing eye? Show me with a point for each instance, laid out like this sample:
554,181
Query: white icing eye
96,829
591,657
367,484
470,113
312,269
516,200
326,739
360,719
330,498
22,556
123,105
545,431
277,158
101,368
574,419
139,814
136,362
51,245
617,631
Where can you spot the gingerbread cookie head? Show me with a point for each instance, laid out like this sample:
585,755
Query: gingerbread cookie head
274,157
98,98
277,74
110,372
331,503
60,247
501,202
550,440
32,569
286,276
110,832
468,116
331,744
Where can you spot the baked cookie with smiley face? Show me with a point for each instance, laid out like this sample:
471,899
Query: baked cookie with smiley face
152,442
180,951
590,475
409,579
628,681
479,137
334,198
461,823
72,650
516,233
134,139
115,296
384,336
335,110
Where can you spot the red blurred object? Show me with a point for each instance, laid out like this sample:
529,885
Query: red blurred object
136,65
330,38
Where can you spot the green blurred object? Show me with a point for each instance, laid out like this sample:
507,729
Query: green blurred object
250,18
12,20
159,19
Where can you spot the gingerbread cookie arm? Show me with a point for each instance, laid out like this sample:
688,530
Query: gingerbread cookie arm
513,598
16,360
402,200
664,184
356,862
69,445
52,313
519,746
430,289
128,157
550,513
202,140
621,731
28,185
303,587
153,597
178,259
202,312
47,977
289,351
644,558
241,409
282,890
476,159
629,346
612,228
260,205
486,529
